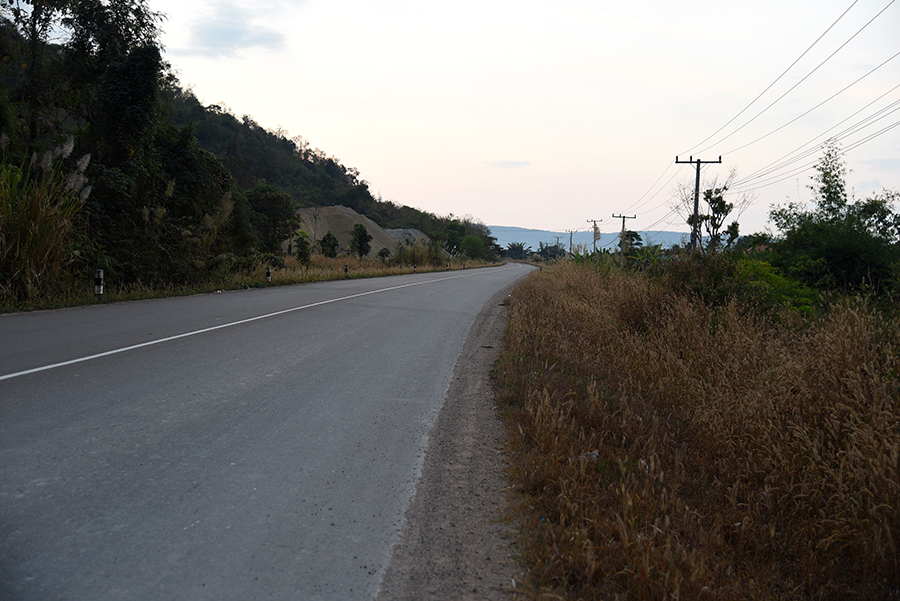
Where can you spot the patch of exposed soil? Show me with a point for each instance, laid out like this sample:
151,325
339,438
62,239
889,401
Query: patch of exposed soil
339,220
455,543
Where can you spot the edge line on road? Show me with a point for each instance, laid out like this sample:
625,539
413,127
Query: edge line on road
125,349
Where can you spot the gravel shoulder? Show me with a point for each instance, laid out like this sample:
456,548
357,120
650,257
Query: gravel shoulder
456,542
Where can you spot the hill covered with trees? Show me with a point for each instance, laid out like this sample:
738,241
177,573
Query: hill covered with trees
107,162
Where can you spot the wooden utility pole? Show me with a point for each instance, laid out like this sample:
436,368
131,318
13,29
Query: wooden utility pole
695,225
571,233
555,248
622,248
596,232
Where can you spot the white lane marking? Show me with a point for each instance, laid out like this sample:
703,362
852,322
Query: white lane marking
228,325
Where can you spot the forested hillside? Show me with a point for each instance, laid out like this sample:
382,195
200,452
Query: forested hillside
107,162
255,156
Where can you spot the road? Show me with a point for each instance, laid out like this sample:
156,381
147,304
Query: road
244,445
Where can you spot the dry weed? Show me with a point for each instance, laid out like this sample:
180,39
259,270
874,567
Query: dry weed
666,449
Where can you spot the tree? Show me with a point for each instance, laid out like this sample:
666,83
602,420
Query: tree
275,216
65,88
360,241
453,232
242,235
714,219
548,252
115,68
384,254
630,242
829,187
33,26
714,210
329,245
101,85
839,243
472,247
127,100
303,246
475,227
876,215
518,251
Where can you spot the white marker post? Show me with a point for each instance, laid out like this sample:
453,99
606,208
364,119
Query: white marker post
98,284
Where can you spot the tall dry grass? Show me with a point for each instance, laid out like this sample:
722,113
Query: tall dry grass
667,449
320,269
38,205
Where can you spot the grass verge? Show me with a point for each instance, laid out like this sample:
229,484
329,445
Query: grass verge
664,448
320,269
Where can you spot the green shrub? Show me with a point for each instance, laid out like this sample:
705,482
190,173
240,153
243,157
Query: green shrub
304,247
761,283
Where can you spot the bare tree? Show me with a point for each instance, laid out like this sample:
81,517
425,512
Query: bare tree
719,203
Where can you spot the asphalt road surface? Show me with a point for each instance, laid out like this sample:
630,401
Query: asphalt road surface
261,444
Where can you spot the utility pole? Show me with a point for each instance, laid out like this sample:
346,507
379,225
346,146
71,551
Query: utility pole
557,241
596,232
571,232
695,226
622,239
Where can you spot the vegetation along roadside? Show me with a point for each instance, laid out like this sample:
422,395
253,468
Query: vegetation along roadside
666,448
715,423
107,162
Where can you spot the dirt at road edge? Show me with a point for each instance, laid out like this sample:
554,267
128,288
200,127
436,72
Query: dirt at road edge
455,543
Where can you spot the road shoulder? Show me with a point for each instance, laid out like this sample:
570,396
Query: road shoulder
456,543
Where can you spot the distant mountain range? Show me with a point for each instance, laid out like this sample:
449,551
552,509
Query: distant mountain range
505,235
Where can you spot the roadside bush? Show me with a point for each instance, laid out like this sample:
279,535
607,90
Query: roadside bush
239,264
759,283
303,246
419,254
710,276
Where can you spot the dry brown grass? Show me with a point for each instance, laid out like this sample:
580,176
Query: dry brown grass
666,449
321,269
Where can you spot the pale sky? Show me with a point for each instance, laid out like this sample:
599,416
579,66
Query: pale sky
544,115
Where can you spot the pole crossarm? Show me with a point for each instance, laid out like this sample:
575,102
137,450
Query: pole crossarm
623,218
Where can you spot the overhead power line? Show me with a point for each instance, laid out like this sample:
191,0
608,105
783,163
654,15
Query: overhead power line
777,79
815,107
640,202
657,222
799,154
835,126
662,175
792,88
771,171
871,137
667,201
636,206
780,178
